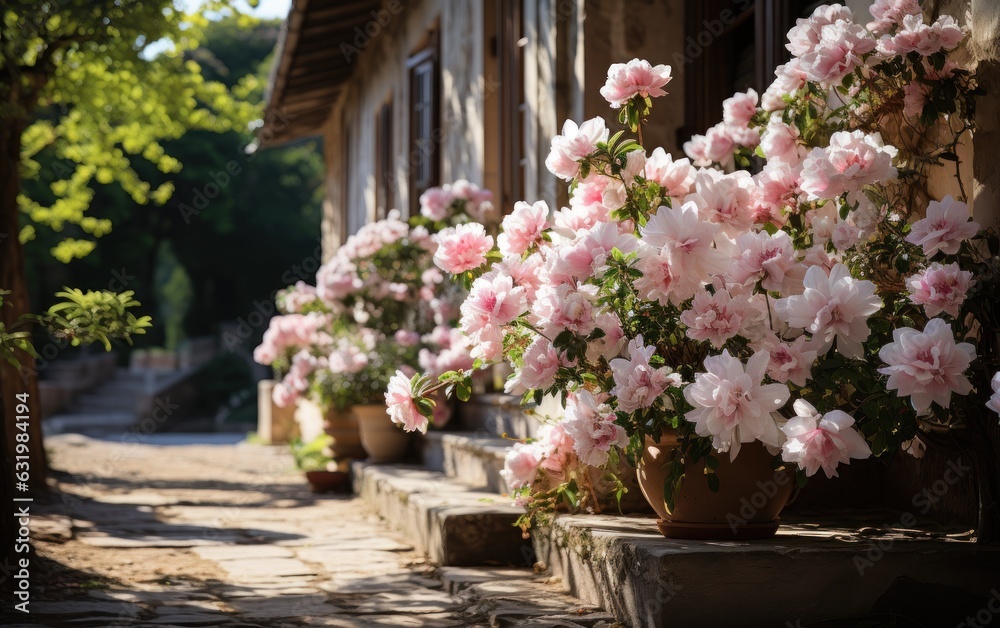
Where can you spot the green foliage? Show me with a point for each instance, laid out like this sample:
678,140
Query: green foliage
310,456
89,317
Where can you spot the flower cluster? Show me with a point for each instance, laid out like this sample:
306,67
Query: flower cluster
380,307
811,306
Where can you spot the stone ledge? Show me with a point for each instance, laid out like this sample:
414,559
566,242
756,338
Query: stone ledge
804,574
475,459
449,521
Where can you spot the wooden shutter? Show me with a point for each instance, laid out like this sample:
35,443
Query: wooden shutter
425,124
385,190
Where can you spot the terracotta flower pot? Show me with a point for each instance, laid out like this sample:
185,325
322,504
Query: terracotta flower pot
326,481
381,438
340,425
750,497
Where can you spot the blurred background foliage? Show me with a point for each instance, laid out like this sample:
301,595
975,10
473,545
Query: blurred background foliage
192,271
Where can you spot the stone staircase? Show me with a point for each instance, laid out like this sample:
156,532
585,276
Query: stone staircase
112,406
452,508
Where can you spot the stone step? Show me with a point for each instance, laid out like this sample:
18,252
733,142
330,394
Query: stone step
475,458
497,415
446,519
803,575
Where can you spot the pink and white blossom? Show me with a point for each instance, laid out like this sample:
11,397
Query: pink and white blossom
927,366
401,405
716,318
675,177
738,109
888,14
925,39
944,229
635,78
771,259
841,47
832,307
807,33
638,384
541,362
791,362
732,405
940,288
462,248
493,301
565,307
591,425
780,142
852,160
574,145
686,242
994,402
821,441
520,467
522,228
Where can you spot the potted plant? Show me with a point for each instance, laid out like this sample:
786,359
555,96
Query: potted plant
730,331
312,458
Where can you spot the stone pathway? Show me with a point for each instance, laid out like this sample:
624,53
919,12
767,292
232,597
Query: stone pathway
229,535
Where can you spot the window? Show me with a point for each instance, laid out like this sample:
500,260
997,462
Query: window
425,126
385,190
512,103
739,43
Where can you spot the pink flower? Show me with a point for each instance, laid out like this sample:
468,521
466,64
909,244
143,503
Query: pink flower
686,241
462,248
525,273
657,280
994,402
675,178
845,235
435,203
808,32
890,13
739,108
610,344
821,441
940,288
789,79
588,253
637,383
927,366
732,405
574,145
407,338
791,362
520,466
769,258
853,159
493,301
401,405
591,425
557,448
541,362
717,317
924,39
841,48
635,78
347,358
944,229
283,396
780,142
565,307
834,306
523,227
725,199
337,279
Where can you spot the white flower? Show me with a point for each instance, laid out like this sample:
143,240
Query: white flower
821,441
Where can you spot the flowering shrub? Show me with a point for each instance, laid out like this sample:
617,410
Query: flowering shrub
380,307
822,305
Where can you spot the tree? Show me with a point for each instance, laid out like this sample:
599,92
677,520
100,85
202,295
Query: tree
74,80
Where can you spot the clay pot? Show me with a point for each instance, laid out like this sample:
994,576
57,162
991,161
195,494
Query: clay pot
326,481
751,493
340,425
382,439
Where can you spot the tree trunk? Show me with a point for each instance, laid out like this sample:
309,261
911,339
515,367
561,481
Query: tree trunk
15,381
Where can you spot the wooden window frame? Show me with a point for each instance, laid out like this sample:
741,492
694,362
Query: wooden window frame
510,63
385,189
425,60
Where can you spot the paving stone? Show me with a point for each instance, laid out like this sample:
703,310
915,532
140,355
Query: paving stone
52,528
239,552
284,606
86,607
378,584
217,618
266,567
415,601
